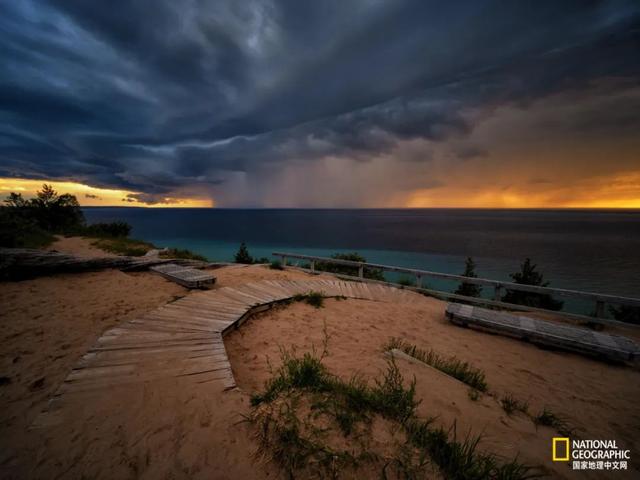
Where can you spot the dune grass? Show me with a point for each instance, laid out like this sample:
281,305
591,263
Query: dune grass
315,299
182,254
123,246
547,418
463,371
309,420
511,404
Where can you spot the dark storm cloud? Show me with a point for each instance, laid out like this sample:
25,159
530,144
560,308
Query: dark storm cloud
158,95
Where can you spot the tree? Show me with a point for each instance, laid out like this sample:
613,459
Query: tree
56,213
242,255
15,200
469,289
529,276
30,223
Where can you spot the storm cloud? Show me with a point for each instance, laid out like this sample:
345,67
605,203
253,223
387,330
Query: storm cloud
228,98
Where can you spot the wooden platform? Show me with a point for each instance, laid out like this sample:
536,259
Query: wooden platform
552,334
183,340
185,276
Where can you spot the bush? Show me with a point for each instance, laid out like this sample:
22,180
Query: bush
371,273
20,232
469,289
124,246
407,281
182,253
529,276
626,313
113,229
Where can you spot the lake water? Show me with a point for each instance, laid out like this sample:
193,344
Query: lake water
592,250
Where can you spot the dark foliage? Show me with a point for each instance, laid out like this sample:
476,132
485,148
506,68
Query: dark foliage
113,229
529,276
371,273
469,289
31,223
242,255
182,253
626,313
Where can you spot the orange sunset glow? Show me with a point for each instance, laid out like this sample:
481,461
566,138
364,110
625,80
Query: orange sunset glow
89,196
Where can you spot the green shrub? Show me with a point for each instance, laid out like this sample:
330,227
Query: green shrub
315,299
276,265
123,246
112,229
626,313
17,231
372,273
407,281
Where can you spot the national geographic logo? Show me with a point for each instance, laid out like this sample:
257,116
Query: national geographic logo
590,454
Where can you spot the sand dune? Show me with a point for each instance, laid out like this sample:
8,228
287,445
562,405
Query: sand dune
171,429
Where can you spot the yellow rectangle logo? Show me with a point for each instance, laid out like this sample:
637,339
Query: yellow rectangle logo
557,454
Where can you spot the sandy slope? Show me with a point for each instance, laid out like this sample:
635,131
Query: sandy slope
599,400
78,246
174,430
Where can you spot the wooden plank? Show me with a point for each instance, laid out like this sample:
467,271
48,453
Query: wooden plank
579,340
188,277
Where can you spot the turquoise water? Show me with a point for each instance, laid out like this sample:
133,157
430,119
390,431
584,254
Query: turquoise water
596,251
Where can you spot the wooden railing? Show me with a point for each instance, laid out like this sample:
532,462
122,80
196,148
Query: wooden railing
600,299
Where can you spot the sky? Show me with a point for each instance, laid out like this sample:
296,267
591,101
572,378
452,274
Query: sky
294,103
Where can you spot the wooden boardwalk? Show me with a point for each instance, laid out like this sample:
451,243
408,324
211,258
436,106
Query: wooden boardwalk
184,275
552,334
184,339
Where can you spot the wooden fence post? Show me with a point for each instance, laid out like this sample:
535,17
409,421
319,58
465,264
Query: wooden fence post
497,292
361,271
600,309
313,266
284,261
419,281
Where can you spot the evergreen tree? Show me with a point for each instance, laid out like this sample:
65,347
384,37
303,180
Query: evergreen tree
242,255
529,276
469,289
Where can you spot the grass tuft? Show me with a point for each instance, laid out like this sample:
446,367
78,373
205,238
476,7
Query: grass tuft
547,418
463,371
303,403
510,405
315,299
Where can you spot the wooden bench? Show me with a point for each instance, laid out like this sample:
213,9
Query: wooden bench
546,333
185,276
